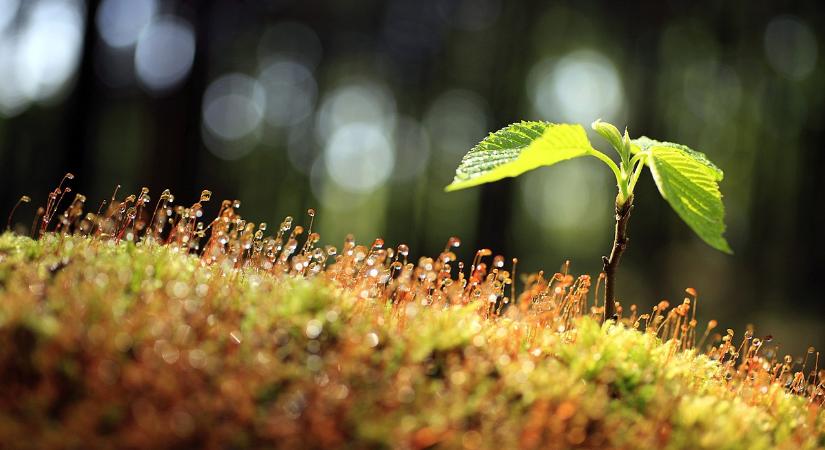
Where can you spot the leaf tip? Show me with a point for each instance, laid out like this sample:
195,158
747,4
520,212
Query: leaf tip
725,247
455,186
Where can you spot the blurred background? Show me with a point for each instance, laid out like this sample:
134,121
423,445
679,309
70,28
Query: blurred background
363,109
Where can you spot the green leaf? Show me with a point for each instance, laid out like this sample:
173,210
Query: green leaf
690,183
518,148
644,143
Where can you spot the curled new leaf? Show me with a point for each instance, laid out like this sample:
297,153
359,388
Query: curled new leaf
610,133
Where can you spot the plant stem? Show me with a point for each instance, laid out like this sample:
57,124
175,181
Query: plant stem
611,264
606,159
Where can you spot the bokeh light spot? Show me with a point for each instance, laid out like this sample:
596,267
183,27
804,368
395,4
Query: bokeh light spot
572,201
712,91
48,49
302,149
412,149
119,22
165,53
456,120
12,100
233,107
8,11
359,157
580,87
363,101
290,92
791,48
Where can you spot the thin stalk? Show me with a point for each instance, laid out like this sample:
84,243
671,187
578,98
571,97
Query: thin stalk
637,157
606,159
23,199
639,165
621,182
611,264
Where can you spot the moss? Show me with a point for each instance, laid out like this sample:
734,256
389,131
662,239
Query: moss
139,345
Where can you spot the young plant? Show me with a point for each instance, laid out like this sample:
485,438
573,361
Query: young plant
685,178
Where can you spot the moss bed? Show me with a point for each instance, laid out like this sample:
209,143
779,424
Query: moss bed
123,345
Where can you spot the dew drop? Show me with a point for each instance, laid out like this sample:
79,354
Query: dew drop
314,328
372,340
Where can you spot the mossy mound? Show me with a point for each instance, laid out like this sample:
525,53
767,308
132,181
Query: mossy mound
106,345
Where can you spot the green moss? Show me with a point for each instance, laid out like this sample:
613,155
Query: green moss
140,346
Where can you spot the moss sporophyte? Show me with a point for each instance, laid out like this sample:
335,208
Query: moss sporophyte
685,178
148,325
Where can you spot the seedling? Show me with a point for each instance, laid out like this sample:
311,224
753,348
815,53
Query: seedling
685,178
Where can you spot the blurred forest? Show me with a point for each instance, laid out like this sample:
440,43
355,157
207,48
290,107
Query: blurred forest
363,109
